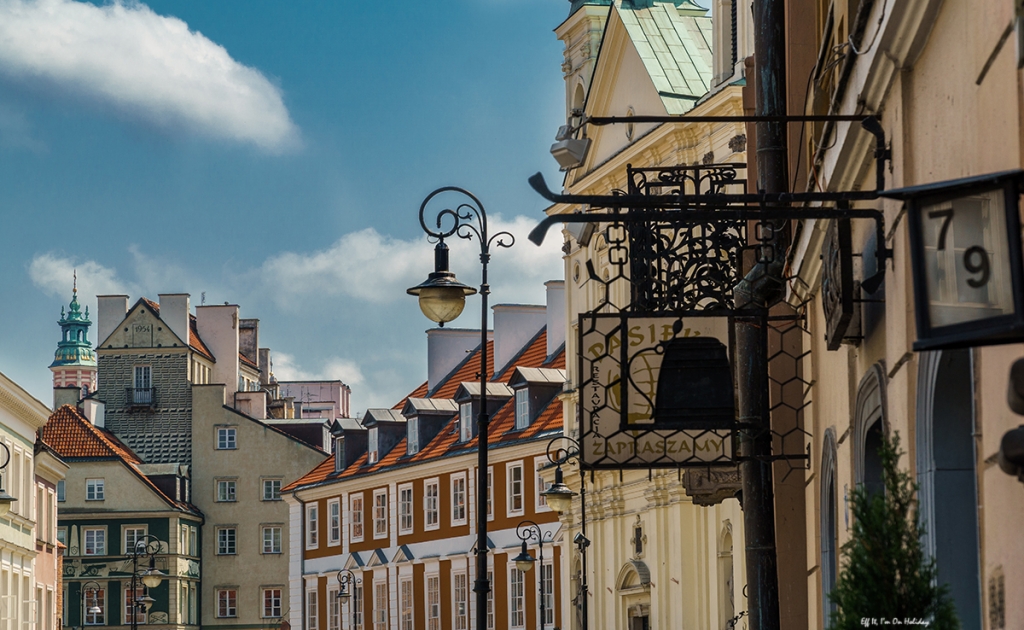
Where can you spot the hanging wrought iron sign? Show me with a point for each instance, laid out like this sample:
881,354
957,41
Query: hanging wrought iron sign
965,253
837,282
655,390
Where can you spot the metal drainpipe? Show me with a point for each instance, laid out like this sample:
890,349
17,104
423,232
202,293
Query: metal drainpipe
302,562
760,288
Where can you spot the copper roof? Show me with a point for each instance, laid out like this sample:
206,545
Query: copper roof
502,428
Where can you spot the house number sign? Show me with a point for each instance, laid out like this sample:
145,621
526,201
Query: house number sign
965,245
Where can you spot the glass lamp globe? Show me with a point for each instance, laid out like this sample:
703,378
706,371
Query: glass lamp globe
442,297
524,561
152,578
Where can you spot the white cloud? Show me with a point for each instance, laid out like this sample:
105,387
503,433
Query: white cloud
147,65
371,267
286,368
53,274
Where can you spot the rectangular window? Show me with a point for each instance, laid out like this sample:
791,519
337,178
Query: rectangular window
460,599
490,601
95,541
334,522
226,541
134,604
193,541
225,490
465,422
311,610
94,598
357,607
405,603
516,599
413,439
271,489
430,504
226,438
227,602
142,394
271,603
459,499
380,606
93,489
405,509
547,581
371,447
515,488
271,539
380,513
133,536
433,602
60,490
62,535
333,609
522,408
357,517
540,485
312,526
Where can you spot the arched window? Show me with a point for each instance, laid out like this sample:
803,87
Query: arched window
869,425
946,468
726,577
829,525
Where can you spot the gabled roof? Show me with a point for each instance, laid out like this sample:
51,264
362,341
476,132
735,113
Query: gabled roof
73,437
382,415
415,406
472,389
537,375
502,430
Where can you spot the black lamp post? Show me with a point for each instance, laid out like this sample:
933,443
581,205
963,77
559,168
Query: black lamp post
92,606
527,530
145,549
559,496
442,299
347,582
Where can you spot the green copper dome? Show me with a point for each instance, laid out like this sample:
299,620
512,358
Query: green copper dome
74,347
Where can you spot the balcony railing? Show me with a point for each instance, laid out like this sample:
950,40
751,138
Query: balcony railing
140,396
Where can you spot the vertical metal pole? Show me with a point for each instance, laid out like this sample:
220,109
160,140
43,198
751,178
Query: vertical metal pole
482,585
583,547
540,574
762,285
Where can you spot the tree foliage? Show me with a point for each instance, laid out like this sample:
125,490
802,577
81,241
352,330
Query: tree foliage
885,574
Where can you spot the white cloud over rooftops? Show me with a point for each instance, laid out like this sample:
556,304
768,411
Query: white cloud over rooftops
149,66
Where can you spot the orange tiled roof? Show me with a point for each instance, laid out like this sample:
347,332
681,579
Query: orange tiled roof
502,427
152,305
246,360
71,435
195,341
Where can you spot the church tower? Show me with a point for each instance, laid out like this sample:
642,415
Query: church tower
74,362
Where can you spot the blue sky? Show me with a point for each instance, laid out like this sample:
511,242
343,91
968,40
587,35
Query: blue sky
272,155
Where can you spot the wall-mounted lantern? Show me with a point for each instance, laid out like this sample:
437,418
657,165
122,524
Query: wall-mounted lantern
965,254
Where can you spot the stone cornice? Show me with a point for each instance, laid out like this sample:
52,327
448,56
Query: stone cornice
22,405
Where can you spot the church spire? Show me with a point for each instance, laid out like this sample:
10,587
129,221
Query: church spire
74,362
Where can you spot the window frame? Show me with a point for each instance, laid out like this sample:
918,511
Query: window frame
372,442
100,600
264,529
380,613
432,601
547,581
141,615
312,610
406,520
431,504
514,597
412,441
275,495
406,602
226,608
264,591
510,493
459,480
226,444
61,491
95,489
460,622
380,531
333,522
124,536
312,525
227,541
522,407
226,490
102,531
539,485
466,423
358,515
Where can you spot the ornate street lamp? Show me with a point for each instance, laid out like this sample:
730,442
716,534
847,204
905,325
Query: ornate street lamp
91,607
145,548
559,496
528,530
347,581
5,499
442,299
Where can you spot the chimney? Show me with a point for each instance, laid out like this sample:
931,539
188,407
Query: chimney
264,364
555,314
93,410
514,326
249,339
447,348
66,396
218,328
174,311
111,310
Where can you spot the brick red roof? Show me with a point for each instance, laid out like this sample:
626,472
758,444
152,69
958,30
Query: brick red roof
71,435
502,428
195,341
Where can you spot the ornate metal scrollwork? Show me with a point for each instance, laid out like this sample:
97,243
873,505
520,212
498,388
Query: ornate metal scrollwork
837,282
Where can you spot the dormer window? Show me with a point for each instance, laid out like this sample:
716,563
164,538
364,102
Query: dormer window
465,422
413,436
372,456
522,408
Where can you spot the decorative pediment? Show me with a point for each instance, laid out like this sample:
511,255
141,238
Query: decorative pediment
142,328
710,486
